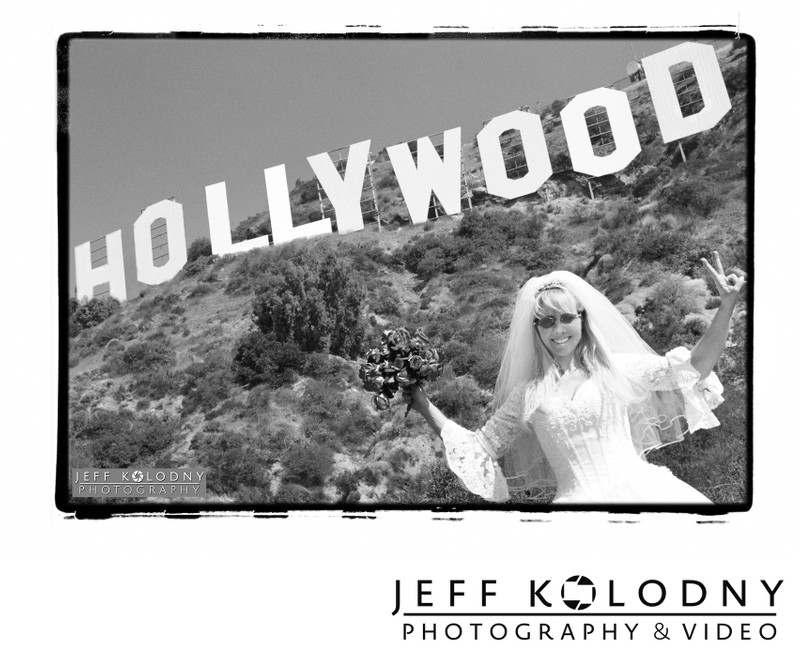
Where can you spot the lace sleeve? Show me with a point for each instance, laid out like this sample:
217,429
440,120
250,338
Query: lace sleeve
472,455
676,372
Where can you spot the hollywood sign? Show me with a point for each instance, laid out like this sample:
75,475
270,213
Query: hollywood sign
431,172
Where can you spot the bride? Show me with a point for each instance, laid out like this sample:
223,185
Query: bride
580,398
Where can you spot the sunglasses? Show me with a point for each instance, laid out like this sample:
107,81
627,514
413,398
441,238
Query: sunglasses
549,321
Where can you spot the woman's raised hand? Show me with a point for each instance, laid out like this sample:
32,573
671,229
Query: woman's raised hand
728,286
415,397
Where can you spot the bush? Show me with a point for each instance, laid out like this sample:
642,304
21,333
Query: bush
436,484
91,313
387,180
259,358
206,385
484,234
562,162
155,384
234,461
645,183
315,302
148,355
308,464
346,483
659,320
115,329
385,300
200,290
688,196
200,247
660,244
121,439
328,411
399,457
290,493
626,215
255,225
461,400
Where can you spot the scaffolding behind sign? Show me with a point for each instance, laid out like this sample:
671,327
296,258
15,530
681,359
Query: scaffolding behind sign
159,241
600,133
690,99
435,209
369,202
98,254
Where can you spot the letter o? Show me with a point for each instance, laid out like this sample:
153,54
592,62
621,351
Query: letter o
146,270
505,631
620,118
761,631
660,586
447,631
533,145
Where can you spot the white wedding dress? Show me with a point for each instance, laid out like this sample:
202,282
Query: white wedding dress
587,439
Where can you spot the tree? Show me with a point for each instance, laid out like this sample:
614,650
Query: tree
200,247
93,312
313,300
660,319
259,358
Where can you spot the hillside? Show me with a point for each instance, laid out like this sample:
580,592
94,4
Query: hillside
200,372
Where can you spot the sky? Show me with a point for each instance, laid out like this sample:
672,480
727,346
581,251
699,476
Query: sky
154,118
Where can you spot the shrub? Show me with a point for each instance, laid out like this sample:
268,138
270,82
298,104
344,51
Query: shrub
201,289
617,286
234,461
200,247
385,300
290,493
660,319
461,400
120,439
206,385
155,384
308,464
736,77
542,260
387,180
414,252
645,183
254,226
328,412
114,329
562,162
259,358
619,243
148,355
399,457
346,483
314,301
660,244
691,196
93,312
436,484
626,214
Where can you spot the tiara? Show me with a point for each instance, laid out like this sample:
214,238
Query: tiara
551,285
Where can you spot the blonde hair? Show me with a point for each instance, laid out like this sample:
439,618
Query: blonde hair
590,355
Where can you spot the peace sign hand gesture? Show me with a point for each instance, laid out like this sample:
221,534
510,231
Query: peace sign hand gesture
728,286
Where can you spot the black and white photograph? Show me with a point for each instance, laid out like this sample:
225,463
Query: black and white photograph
443,327
547,266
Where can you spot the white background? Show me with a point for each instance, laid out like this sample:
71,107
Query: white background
316,582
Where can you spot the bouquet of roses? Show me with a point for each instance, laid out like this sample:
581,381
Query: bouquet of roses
403,360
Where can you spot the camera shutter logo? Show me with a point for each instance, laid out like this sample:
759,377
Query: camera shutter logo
578,592
137,476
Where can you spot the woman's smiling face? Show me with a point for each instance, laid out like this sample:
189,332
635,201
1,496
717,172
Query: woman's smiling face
558,306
